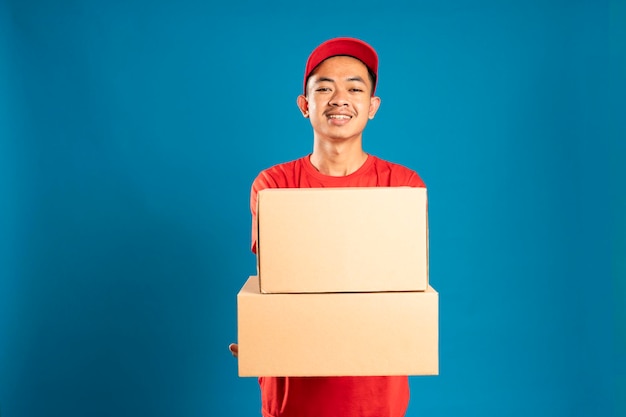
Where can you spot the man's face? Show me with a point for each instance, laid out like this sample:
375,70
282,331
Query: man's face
339,99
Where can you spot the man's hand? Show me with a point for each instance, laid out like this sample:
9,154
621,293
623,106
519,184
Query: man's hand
234,349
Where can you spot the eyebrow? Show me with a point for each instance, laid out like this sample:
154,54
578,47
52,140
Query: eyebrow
354,78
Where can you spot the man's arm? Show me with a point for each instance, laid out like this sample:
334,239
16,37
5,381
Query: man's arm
261,182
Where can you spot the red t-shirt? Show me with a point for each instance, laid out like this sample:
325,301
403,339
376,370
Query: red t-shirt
380,396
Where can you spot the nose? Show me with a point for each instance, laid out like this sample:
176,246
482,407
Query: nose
339,98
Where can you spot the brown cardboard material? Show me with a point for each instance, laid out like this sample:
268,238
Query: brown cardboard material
337,334
342,239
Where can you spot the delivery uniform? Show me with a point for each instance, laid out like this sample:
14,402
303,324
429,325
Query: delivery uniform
363,396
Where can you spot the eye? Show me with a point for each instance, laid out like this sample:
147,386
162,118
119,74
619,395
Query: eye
322,89
356,90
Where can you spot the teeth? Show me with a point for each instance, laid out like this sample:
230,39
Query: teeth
338,116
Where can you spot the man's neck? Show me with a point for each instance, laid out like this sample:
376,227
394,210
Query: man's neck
337,160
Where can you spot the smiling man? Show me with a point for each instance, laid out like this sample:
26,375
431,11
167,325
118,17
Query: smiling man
339,84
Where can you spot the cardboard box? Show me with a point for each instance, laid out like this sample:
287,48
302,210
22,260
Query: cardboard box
340,334
342,239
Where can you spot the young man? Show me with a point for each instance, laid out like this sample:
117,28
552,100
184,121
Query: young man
339,84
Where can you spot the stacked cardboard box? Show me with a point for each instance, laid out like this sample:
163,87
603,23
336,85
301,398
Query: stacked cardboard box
342,285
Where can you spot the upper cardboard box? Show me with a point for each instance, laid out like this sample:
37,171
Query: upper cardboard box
369,239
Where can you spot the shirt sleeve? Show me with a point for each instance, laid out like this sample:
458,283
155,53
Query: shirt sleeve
402,176
414,180
261,182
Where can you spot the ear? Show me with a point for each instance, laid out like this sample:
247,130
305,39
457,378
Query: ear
374,105
303,105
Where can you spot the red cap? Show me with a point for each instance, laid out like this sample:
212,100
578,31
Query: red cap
343,46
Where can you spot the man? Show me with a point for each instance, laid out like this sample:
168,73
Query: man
338,98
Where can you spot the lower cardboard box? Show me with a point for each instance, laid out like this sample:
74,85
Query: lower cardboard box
337,334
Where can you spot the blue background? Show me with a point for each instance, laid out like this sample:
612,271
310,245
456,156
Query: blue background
130,133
